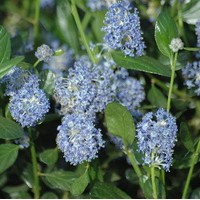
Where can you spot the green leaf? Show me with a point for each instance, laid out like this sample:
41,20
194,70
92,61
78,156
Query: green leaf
48,81
156,97
107,191
119,122
195,194
49,156
191,12
6,66
8,155
9,129
66,25
186,137
5,46
165,31
80,184
97,25
131,176
60,179
191,48
143,63
49,195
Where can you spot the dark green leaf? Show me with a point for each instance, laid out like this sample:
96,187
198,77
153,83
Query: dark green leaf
49,195
66,25
186,137
165,31
27,175
60,179
191,12
79,185
119,122
49,156
195,194
8,155
48,81
131,176
97,25
156,97
7,65
5,46
107,191
9,129
143,63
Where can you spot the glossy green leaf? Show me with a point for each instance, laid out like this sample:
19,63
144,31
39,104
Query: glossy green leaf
97,25
195,194
48,81
119,122
6,66
79,185
165,31
9,129
191,12
186,137
143,63
66,25
107,191
60,179
156,97
27,175
49,156
8,155
5,46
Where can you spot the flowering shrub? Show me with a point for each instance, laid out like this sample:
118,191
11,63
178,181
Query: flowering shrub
99,99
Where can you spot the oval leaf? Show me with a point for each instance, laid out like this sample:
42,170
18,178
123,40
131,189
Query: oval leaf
8,155
9,129
165,31
107,191
119,122
186,137
49,156
80,184
5,46
66,25
7,65
60,179
156,97
143,63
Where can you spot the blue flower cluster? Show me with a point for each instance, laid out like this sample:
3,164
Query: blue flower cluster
86,89
129,91
78,139
28,104
122,29
84,92
191,73
24,141
156,135
44,53
95,5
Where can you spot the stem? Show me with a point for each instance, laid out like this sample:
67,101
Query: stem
80,29
153,181
36,21
173,65
134,164
36,63
194,160
36,186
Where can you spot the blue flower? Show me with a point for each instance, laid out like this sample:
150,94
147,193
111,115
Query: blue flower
29,105
44,53
122,29
87,88
78,139
129,91
16,78
156,135
47,3
191,74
